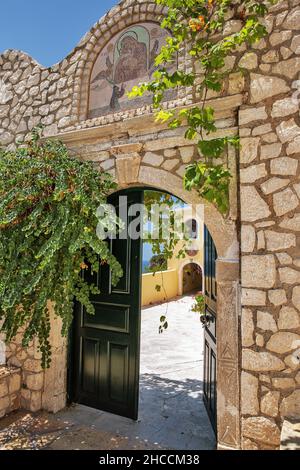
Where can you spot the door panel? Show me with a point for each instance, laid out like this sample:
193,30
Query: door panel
106,345
210,333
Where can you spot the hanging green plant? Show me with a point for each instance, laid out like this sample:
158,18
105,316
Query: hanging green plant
198,26
48,224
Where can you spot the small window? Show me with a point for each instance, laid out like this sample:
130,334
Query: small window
191,229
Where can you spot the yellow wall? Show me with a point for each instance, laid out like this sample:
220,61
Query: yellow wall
173,276
150,295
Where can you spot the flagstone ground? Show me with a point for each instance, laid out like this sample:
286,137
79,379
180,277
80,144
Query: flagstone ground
172,414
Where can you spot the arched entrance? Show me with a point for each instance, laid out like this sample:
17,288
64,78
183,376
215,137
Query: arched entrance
121,358
106,353
190,277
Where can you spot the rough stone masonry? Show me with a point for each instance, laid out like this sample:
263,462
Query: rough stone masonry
258,243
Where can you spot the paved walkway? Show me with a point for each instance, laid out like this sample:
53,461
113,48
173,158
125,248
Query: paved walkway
171,412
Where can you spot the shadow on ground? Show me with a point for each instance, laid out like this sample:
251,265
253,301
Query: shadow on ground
172,417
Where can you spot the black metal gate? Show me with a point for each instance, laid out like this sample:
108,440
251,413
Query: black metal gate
210,334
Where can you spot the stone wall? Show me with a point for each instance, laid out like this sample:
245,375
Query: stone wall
261,105
270,224
10,390
40,389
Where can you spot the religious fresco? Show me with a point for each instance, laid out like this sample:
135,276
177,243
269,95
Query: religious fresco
127,60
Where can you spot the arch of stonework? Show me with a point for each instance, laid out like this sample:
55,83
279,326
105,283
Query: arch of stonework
224,234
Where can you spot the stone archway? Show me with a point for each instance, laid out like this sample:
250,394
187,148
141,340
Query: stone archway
181,274
131,173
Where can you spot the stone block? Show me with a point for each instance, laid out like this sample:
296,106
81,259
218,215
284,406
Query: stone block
35,401
3,388
295,45
285,201
258,271
277,297
249,61
35,381
289,275
270,151
266,322
269,404
261,429
187,154
259,340
290,406
296,297
253,173
248,238
261,361
249,149
249,394
253,207
279,241
274,184
4,403
283,342
247,327
247,444
293,360
153,159
32,365
170,164
252,114
14,383
291,223
288,319
253,297
288,68
263,87
293,147
280,37
284,107
284,166
283,383
288,130
128,167
290,435
262,130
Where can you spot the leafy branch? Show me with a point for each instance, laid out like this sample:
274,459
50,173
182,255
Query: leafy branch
199,27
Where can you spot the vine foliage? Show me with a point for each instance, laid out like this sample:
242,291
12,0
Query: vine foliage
48,206
199,27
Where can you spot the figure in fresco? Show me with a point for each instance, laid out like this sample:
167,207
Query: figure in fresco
133,60
117,94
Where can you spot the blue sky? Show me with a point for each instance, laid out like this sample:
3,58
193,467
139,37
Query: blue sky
48,30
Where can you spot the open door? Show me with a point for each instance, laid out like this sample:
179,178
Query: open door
107,345
210,333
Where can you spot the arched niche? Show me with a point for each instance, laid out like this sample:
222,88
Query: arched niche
126,60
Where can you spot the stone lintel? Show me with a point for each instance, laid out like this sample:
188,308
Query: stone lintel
223,108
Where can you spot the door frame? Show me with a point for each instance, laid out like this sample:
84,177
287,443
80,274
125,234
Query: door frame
71,348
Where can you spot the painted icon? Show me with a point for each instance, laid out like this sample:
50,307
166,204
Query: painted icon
128,59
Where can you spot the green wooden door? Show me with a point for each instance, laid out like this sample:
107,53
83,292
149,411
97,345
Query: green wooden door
107,345
210,332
